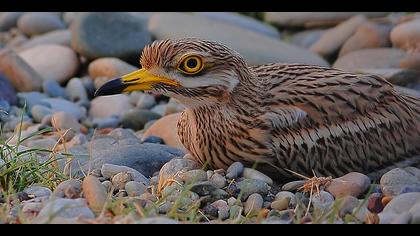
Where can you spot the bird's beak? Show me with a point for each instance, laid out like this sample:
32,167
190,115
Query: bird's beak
135,81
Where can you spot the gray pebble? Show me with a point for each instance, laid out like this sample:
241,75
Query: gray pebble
165,207
135,189
255,174
235,211
250,186
223,209
37,191
286,194
109,170
108,185
234,170
119,180
71,188
322,201
293,186
193,176
218,180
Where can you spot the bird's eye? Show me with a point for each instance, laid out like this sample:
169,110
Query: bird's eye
191,65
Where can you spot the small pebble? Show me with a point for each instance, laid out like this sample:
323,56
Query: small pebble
94,192
255,174
375,203
253,204
218,180
108,185
223,209
193,176
119,180
293,186
135,189
211,211
281,204
234,170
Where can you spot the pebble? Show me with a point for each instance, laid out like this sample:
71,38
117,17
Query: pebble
108,185
402,203
37,191
146,158
53,89
242,21
293,186
372,58
403,218
255,174
406,35
32,207
71,188
211,210
64,208
153,139
135,118
135,189
250,186
145,101
348,204
106,106
109,67
204,188
121,194
60,37
218,180
119,180
59,104
75,90
222,209
110,170
235,211
176,165
368,35
353,183
8,20
43,59
313,19
166,128
7,94
35,23
234,170
193,176
159,109
375,203
64,121
400,180
288,195
38,112
322,201
281,204
104,34
307,38
95,193
253,204
21,75
332,40
165,25
109,122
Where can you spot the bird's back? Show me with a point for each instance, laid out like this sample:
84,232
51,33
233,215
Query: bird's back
334,122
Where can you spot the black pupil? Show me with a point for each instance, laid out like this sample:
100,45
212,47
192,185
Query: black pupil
192,63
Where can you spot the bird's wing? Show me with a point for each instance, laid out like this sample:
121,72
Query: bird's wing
324,96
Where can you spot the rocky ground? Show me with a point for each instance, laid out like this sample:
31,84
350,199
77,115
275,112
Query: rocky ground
66,157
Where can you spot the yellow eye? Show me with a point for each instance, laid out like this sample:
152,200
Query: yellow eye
191,65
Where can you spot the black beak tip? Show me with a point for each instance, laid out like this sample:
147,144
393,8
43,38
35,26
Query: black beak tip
111,87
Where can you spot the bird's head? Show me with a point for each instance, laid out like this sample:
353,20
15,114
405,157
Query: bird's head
190,70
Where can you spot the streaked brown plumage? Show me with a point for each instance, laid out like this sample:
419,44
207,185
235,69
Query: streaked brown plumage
284,116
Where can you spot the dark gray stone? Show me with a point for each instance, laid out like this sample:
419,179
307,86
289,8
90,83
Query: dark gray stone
109,34
9,20
7,92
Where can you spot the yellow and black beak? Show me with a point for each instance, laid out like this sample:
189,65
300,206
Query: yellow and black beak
135,81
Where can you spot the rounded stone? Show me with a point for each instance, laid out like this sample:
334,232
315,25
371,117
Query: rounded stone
407,35
38,112
322,201
71,188
255,174
253,204
34,23
61,37
119,180
281,204
95,193
135,118
43,59
105,34
75,90
218,180
354,184
53,89
135,189
234,170
8,20
103,107
286,195
400,180
109,67
193,176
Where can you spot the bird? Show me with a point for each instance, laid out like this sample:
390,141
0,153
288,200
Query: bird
279,118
